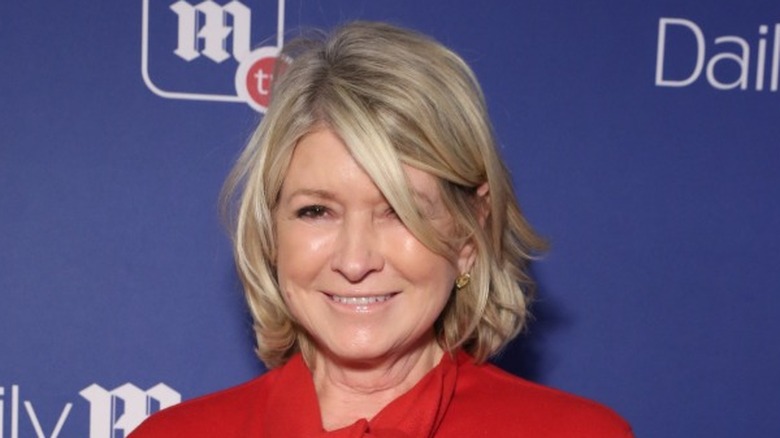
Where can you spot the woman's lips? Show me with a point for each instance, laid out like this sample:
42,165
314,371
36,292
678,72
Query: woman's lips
361,300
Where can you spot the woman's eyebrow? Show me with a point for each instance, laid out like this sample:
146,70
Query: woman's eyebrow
315,193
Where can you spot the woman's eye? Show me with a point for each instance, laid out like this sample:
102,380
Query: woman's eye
311,211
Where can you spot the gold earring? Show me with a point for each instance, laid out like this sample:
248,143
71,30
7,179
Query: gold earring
462,280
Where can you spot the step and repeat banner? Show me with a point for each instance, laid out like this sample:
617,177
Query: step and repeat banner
643,138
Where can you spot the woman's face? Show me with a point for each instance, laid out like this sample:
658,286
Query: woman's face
351,273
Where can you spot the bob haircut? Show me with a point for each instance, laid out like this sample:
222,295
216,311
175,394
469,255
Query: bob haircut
394,97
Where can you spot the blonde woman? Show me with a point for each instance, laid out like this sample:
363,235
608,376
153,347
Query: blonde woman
384,258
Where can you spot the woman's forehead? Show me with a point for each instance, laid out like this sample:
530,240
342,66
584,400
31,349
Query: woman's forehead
321,157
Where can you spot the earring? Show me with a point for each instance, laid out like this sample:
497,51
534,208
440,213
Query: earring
462,280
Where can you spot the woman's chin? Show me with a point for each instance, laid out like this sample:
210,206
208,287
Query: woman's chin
365,353
355,355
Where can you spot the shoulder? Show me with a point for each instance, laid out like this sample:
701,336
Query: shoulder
514,404
224,413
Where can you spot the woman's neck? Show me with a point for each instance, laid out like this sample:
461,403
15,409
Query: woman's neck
349,391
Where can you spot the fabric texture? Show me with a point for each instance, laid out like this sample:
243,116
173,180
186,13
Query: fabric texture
456,399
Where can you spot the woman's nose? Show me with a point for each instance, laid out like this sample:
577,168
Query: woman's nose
357,253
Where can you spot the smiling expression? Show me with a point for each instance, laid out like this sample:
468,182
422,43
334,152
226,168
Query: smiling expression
353,276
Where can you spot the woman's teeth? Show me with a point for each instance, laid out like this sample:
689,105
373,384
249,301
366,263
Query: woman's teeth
361,301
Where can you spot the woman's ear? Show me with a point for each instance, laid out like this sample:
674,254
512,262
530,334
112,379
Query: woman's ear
468,253
482,201
467,257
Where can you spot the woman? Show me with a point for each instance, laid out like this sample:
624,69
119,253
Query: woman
383,255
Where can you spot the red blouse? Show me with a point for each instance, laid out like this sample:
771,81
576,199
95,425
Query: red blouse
455,399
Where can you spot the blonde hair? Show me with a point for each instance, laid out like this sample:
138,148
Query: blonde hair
394,97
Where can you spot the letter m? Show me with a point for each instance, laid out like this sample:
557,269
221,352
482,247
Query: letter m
124,408
207,22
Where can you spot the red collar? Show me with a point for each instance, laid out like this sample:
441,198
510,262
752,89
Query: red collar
293,409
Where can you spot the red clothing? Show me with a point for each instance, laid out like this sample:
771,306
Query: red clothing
455,399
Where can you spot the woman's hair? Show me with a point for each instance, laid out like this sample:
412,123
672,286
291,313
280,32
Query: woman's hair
394,97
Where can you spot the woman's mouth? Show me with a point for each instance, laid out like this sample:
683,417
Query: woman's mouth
361,300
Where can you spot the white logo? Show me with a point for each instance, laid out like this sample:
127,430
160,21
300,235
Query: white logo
111,413
738,59
104,416
215,33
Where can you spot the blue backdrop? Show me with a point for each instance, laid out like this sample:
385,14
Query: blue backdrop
642,137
